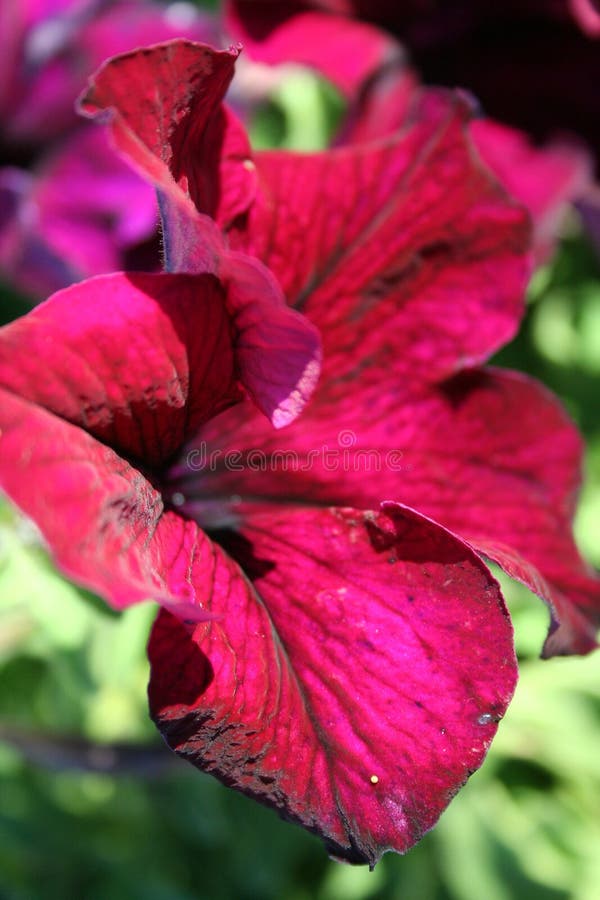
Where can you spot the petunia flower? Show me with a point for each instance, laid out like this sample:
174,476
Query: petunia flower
345,664
99,388
409,259
355,677
403,282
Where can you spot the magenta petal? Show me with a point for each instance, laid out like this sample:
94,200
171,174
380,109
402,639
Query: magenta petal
139,361
356,688
100,386
166,115
494,457
408,238
277,350
544,179
587,14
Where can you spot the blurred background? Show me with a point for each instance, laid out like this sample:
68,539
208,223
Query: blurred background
93,805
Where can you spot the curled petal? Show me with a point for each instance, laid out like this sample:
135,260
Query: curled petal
278,351
166,115
163,104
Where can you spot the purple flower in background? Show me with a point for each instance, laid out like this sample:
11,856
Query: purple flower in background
80,211
77,210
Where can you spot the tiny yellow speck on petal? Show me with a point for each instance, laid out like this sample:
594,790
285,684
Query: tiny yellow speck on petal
374,779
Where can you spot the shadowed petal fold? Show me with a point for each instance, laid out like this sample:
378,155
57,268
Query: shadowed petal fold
358,683
104,522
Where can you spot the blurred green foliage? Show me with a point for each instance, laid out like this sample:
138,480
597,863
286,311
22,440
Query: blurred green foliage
93,806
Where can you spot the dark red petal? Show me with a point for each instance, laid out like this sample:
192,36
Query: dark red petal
356,688
491,455
409,238
544,179
103,521
139,361
277,350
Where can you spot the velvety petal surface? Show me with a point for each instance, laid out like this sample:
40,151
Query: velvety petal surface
164,108
453,452
102,520
354,687
545,179
140,361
